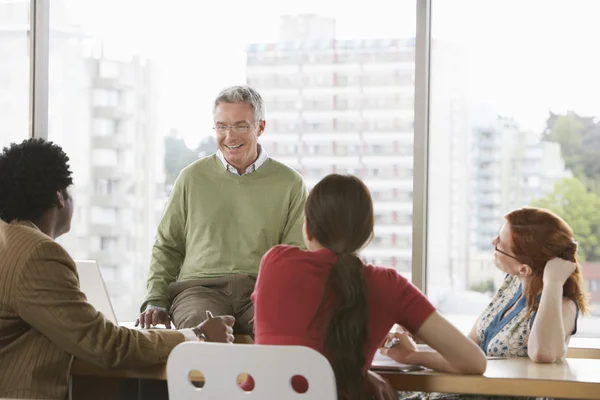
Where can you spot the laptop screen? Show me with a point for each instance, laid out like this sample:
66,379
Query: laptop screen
92,285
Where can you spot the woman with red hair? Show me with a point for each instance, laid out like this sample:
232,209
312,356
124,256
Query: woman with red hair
534,312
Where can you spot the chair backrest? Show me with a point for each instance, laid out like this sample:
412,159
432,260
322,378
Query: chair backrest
271,368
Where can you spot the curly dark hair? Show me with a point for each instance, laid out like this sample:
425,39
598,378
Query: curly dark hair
30,175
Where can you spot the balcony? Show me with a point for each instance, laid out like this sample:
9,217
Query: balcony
488,144
105,229
114,172
485,243
487,230
370,252
109,200
318,106
317,127
110,113
389,80
403,231
489,199
402,208
108,257
112,142
116,83
487,186
488,215
487,172
389,104
281,105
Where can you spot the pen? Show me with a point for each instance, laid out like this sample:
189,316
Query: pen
209,315
392,343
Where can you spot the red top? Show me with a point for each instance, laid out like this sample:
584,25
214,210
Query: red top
289,289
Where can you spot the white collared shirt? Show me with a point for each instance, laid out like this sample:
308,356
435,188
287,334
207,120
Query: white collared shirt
263,156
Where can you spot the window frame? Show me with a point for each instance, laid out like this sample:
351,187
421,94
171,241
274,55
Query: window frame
39,51
39,45
39,87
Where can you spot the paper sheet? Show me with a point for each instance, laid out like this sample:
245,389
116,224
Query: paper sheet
381,362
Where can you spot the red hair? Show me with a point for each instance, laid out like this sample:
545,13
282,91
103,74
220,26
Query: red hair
538,236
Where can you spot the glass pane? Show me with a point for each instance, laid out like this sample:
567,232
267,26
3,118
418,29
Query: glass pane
524,131
14,71
131,101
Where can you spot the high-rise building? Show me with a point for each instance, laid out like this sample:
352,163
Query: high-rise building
512,168
501,152
117,217
346,106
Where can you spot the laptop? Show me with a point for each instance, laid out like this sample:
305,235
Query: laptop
92,285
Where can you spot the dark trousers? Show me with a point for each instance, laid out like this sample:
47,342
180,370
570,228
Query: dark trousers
227,295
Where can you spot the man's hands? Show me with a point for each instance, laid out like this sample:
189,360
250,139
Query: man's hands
218,329
152,317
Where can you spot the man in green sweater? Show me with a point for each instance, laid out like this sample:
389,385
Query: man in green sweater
224,213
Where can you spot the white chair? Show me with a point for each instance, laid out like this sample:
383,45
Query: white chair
271,367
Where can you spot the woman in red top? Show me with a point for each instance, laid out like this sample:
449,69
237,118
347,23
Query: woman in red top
326,298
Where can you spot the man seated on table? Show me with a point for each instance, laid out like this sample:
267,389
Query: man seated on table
45,319
225,211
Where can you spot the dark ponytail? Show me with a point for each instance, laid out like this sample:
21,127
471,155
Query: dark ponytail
339,216
347,331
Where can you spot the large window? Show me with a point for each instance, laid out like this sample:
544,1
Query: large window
130,100
14,71
514,122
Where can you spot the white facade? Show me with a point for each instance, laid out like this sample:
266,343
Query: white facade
346,106
124,162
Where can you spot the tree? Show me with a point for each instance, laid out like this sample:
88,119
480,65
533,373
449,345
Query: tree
579,139
486,286
590,154
207,146
580,208
177,157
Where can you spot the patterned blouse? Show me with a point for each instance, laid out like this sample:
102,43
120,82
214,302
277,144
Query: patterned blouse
508,336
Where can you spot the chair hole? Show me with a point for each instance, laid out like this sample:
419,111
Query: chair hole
246,382
299,384
197,379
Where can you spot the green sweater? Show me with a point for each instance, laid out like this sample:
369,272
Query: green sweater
217,223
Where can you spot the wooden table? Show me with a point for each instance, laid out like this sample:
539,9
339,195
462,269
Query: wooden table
584,348
573,378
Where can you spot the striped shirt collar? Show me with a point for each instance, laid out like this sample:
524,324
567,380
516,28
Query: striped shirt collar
263,156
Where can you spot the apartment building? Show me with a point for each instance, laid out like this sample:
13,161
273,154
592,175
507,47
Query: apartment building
347,106
513,167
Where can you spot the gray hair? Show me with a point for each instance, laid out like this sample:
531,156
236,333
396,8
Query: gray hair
242,94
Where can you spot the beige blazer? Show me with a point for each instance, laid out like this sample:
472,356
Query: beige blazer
45,320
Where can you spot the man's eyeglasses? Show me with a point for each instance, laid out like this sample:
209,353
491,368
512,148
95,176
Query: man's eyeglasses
237,129
505,253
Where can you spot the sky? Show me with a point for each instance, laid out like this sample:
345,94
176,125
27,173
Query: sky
524,57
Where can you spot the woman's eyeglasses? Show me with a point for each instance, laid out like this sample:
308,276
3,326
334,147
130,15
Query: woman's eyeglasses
505,253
